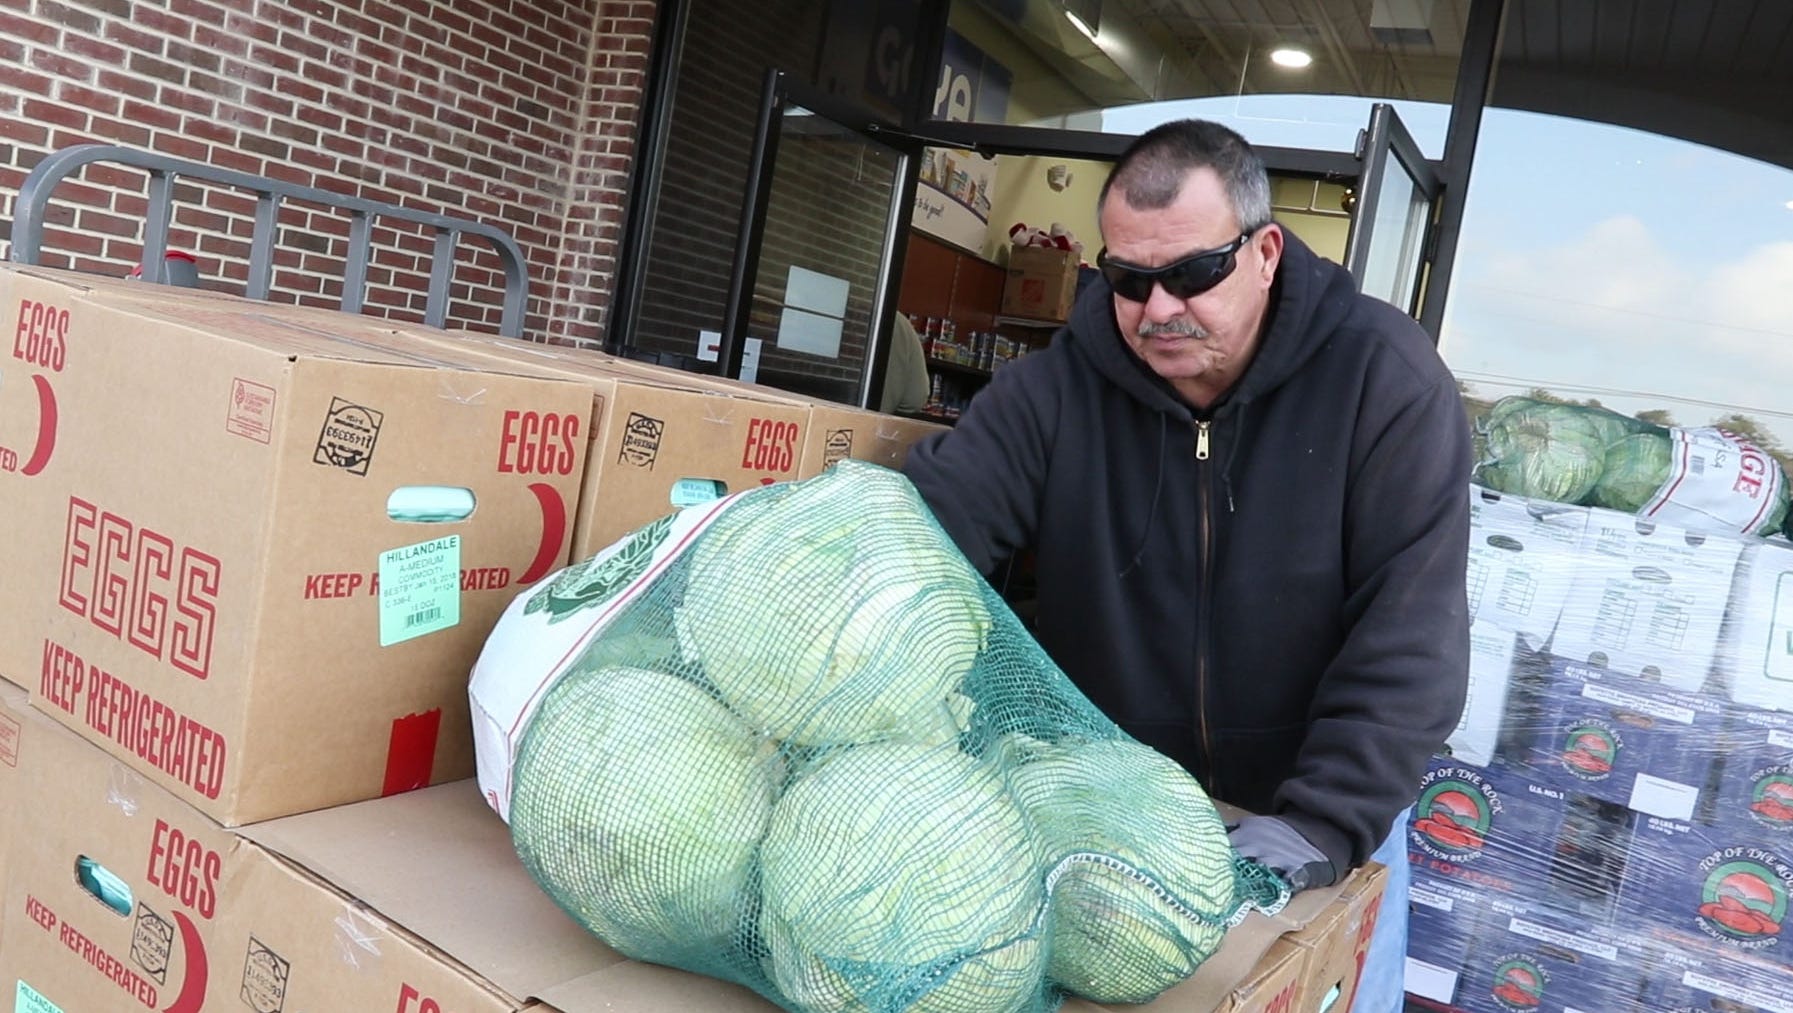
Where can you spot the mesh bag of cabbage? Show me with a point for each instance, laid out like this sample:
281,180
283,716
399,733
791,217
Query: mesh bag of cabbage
1703,479
792,739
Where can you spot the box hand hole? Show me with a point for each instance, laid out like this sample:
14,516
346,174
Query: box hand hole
430,504
105,887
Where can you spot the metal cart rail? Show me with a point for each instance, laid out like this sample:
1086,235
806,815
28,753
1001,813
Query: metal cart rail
34,198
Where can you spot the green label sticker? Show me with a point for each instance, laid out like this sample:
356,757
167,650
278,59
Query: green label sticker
692,491
420,589
28,1001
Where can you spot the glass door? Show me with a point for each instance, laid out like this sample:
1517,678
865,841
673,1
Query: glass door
822,229
1397,190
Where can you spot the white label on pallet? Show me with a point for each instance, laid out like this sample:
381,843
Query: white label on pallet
1567,940
1429,981
1658,796
1738,993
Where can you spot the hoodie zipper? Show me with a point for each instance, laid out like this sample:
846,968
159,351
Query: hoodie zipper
1205,514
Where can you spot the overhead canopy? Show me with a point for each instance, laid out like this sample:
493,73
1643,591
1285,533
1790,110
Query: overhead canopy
1715,72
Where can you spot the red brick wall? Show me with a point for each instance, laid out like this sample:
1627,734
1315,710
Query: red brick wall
520,113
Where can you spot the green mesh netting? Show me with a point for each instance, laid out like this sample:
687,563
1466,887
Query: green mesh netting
808,749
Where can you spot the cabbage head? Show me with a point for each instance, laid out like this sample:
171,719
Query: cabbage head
1614,427
1633,471
902,876
1780,517
638,804
1122,933
834,611
1542,450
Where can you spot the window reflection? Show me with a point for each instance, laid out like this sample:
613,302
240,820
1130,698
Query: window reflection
1600,264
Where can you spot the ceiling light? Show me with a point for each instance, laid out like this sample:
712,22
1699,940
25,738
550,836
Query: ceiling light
1081,26
1290,57
1789,205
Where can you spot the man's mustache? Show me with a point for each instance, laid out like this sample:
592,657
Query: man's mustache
1174,328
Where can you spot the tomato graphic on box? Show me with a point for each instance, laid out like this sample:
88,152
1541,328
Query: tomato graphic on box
1591,750
1773,798
1743,900
1454,817
1492,828
1519,984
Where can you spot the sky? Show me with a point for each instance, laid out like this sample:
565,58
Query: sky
1645,271
1596,261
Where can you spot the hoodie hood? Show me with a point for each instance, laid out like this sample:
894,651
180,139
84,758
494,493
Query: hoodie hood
1309,299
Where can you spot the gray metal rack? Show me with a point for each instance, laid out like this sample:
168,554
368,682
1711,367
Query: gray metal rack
163,171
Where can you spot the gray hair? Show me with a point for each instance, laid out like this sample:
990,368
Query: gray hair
1151,172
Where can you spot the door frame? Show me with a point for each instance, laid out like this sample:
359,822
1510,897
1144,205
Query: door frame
1383,146
1384,136
779,92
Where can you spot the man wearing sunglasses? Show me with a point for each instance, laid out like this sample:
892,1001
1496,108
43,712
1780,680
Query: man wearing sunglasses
1246,487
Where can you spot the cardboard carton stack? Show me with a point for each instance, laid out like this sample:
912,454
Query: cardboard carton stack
1610,829
254,553
1040,283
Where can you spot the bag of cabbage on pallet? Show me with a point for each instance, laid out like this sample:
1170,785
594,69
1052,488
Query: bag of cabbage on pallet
1701,479
792,739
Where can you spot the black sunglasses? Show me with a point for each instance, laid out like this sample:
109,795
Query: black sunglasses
1182,279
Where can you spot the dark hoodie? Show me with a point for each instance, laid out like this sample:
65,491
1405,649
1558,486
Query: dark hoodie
1286,617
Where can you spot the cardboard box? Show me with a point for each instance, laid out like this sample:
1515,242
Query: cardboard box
1489,828
1685,975
359,907
284,931
1722,885
1627,741
1756,645
1443,920
225,581
426,859
123,896
1272,986
1755,782
1648,600
837,432
658,439
1337,942
14,714
1540,848
1041,283
1530,961
834,431
1523,556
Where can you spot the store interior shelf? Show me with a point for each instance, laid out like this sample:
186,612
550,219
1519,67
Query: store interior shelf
958,367
927,416
1048,325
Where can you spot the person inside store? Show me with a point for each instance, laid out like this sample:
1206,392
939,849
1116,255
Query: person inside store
1245,485
906,374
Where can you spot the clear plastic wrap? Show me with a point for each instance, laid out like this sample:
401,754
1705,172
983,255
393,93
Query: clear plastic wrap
1611,829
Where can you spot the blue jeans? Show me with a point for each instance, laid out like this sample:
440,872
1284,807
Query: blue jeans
1380,990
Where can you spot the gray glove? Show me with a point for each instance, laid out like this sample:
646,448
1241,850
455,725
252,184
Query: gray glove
1275,844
